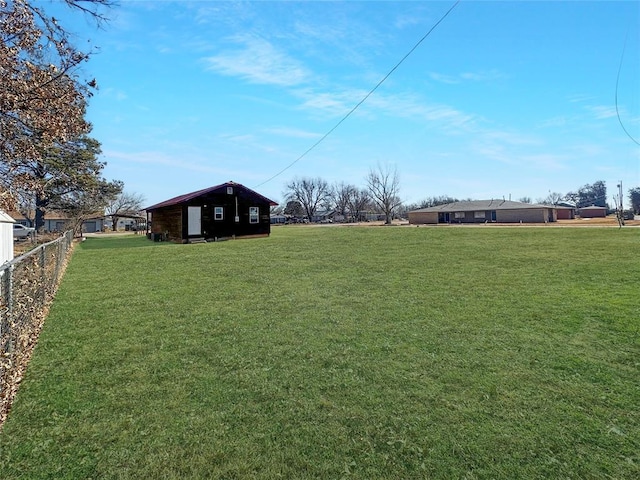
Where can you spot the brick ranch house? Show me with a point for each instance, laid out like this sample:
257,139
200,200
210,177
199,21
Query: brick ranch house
224,211
483,211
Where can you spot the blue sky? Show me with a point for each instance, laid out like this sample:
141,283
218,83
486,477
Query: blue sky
502,99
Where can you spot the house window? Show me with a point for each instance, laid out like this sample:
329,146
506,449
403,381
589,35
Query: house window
254,215
218,213
478,215
229,190
458,215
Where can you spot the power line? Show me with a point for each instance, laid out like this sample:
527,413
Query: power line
424,37
617,83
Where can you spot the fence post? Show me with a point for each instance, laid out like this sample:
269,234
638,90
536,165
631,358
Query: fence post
7,336
7,289
43,275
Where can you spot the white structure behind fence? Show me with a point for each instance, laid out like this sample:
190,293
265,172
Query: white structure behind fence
6,237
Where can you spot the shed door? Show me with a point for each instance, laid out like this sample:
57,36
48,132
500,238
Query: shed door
194,221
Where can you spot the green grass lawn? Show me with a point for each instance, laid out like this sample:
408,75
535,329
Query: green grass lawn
326,353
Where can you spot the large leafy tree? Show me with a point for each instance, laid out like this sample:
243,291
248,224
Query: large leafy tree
634,198
590,194
293,208
42,93
62,172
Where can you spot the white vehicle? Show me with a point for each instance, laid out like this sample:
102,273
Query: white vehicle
20,231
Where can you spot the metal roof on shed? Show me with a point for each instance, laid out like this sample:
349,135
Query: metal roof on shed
6,218
190,196
481,205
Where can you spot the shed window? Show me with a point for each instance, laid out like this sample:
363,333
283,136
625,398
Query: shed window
478,215
218,213
254,214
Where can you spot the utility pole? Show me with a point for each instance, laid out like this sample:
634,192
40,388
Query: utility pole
620,205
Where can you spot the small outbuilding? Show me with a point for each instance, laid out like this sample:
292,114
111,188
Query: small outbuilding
592,212
484,211
6,237
224,211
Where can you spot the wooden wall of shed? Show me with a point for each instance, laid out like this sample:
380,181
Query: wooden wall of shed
168,221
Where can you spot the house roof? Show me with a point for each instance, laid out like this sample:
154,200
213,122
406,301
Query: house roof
6,218
480,205
593,207
190,196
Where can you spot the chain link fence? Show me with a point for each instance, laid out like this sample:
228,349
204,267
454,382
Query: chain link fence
27,286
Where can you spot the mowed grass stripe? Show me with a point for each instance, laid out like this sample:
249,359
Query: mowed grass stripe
339,352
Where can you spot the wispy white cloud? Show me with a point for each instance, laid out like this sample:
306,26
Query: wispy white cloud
439,77
258,61
509,155
333,104
113,93
245,138
483,76
601,111
555,122
580,98
292,132
156,158
398,105
480,76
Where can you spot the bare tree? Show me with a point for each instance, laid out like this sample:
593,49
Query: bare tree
552,199
341,194
126,204
384,188
310,192
359,200
435,201
525,199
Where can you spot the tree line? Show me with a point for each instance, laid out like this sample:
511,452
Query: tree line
307,196
594,194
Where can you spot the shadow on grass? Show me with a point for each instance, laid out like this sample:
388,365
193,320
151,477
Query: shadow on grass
127,241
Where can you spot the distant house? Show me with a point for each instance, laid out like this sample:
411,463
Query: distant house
592,212
6,237
483,211
57,221
323,216
279,219
224,211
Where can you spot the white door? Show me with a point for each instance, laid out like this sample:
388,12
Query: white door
194,220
